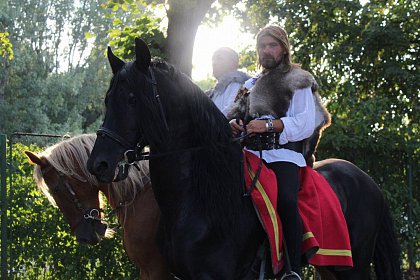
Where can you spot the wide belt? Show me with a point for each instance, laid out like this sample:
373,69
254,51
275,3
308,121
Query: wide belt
294,146
270,141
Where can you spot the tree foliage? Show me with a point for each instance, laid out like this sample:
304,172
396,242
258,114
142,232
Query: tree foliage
174,41
56,81
137,23
6,51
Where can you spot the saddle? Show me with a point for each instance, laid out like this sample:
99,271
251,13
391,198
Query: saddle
325,240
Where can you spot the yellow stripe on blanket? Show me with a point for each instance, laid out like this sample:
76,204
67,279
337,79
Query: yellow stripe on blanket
270,208
334,252
307,235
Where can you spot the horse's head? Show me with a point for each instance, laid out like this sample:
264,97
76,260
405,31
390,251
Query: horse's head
144,100
152,103
121,132
78,200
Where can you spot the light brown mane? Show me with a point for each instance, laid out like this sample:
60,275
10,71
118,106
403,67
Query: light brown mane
69,158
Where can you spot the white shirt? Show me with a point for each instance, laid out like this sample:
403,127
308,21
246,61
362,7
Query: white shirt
226,89
225,101
299,124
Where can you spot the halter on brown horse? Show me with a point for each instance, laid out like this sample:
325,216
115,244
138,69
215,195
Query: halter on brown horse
60,173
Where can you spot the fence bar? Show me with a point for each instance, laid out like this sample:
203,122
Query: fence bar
411,233
4,269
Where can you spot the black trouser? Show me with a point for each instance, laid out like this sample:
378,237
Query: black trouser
288,184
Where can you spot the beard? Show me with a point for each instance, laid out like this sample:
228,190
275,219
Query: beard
269,62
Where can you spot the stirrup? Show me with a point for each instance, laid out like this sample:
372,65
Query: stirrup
291,273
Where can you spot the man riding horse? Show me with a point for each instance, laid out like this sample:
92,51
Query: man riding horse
277,109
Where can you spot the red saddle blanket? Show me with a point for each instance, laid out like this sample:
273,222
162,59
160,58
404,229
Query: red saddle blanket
325,240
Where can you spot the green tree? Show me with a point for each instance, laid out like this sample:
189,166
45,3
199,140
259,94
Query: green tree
175,41
6,52
36,94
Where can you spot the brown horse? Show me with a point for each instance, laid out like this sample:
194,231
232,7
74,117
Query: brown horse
60,173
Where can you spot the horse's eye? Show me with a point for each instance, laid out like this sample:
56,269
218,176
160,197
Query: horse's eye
131,99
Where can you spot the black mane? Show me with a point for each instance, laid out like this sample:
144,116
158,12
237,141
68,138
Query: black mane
217,165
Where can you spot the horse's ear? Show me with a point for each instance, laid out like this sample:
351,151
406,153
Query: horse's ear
143,56
35,159
115,62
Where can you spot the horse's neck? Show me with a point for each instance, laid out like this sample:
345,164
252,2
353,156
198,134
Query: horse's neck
111,196
121,205
171,182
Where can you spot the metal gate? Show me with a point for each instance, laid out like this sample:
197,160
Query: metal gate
6,169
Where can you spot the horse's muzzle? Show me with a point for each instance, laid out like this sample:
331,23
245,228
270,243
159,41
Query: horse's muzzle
90,232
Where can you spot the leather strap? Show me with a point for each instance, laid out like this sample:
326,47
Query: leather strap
270,141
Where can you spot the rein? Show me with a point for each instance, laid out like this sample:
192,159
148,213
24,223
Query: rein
122,205
157,96
132,155
148,155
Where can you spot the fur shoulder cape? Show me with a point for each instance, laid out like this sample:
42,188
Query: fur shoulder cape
272,94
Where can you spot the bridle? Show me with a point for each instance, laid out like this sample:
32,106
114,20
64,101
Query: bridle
88,214
132,155
93,214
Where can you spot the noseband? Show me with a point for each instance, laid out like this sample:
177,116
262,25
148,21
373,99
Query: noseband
130,155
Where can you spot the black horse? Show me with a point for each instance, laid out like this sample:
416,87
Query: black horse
209,230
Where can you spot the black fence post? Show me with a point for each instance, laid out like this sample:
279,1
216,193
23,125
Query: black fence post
411,234
3,199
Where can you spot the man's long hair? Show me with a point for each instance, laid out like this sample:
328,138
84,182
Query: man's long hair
279,34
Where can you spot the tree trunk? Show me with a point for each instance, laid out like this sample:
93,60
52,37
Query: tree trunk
184,17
